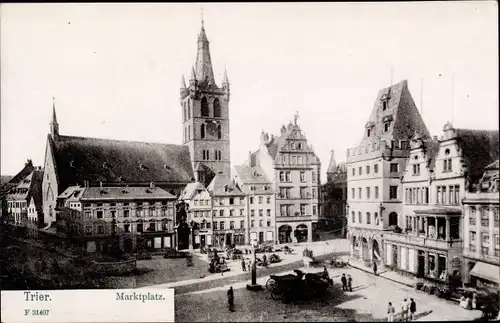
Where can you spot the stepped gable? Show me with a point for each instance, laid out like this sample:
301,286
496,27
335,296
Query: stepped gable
104,160
401,113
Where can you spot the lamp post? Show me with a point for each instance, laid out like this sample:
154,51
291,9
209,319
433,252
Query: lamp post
254,286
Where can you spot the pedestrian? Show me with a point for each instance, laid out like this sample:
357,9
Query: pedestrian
390,313
404,310
230,299
344,283
349,283
375,268
413,309
243,265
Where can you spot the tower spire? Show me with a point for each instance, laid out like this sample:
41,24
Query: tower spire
183,82
225,80
54,126
203,66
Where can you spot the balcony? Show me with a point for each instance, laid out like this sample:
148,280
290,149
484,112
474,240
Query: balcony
409,238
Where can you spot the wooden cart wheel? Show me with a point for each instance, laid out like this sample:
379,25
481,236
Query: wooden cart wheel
276,295
270,284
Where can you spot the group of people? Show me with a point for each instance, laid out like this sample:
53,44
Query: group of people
346,283
408,309
246,264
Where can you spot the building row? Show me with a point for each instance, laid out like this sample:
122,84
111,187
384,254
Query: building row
422,205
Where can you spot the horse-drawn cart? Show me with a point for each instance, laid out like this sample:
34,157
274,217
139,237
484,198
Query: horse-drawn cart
291,287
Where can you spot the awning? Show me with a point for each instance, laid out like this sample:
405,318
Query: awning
486,271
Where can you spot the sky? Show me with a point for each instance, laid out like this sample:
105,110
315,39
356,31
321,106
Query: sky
115,69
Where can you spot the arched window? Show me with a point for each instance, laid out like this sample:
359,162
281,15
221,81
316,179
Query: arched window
216,108
204,107
189,133
202,130
184,112
368,218
219,132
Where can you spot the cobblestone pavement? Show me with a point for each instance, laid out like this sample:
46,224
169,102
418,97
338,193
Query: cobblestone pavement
367,302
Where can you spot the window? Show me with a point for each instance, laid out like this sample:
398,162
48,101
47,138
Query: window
231,212
393,192
113,214
368,218
368,131
303,192
485,242
215,225
231,224
261,223
485,221
242,224
314,209
221,212
99,214
447,165
416,169
261,212
302,176
386,126
394,168
268,200
353,171
384,105
268,223
375,216
353,193
252,223
314,194
89,229
202,131
376,192
268,212
367,192
139,227
219,132
252,212
393,219
241,212
368,169
360,170
359,192
360,217
353,217
222,225
303,209
217,108
299,160
231,201
375,168
204,107
261,200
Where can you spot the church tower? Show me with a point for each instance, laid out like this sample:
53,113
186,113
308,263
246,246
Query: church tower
205,116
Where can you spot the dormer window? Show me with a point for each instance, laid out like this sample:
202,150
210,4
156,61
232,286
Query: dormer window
386,126
384,105
368,132
447,152
300,146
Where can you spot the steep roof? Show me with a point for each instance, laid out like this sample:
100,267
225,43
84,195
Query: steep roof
401,113
480,148
203,69
251,175
222,185
30,186
106,160
190,189
12,183
125,193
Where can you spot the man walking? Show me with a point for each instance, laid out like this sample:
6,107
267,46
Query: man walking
349,283
404,310
243,265
413,309
344,283
375,268
230,299
390,313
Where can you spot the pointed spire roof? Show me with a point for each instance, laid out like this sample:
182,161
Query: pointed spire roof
193,74
54,117
225,80
332,166
203,66
183,82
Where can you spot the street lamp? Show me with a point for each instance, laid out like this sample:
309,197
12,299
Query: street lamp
254,286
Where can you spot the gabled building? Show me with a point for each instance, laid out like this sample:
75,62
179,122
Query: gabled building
375,168
229,212
199,215
205,113
290,163
93,162
261,203
12,182
24,202
334,198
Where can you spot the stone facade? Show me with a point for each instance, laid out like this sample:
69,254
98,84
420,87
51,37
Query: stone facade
205,111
